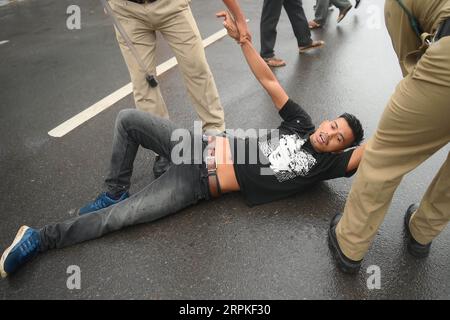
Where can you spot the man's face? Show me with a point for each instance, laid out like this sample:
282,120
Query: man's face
332,136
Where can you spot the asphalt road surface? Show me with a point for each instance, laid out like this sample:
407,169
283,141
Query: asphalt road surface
215,250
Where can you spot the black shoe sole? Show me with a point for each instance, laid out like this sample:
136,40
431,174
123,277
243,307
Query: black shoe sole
414,248
343,265
417,253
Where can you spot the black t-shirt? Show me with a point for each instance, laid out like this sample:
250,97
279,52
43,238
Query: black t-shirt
283,162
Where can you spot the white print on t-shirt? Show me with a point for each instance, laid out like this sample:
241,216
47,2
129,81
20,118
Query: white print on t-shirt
287,159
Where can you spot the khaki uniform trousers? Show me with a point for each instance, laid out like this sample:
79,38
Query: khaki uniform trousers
414,126
174,20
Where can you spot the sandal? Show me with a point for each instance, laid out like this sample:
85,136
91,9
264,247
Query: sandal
343,13
275,62
313,45
314,25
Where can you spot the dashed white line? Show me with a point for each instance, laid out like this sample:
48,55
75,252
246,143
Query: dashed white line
108,101
3,42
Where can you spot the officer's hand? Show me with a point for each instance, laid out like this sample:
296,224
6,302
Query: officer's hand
229,24
243,31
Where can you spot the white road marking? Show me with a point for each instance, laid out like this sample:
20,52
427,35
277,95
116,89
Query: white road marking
108,101
91,112
3,42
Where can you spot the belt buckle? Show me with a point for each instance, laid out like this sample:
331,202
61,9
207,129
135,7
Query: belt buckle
211,161
429,40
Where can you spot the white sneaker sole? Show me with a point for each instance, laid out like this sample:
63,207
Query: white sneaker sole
18,237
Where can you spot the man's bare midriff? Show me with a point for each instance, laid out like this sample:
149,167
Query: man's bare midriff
225,168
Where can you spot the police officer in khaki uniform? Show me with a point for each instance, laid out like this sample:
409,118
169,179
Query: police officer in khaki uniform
174,20
414,126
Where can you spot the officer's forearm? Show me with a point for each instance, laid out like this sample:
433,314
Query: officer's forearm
235,10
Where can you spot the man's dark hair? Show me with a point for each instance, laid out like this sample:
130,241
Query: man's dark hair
355,125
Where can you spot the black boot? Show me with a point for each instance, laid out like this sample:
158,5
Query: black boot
161,165
414,248
345,264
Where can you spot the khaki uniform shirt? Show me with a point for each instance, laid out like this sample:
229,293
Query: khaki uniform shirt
429,13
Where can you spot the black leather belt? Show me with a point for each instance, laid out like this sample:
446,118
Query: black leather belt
142,1
444,30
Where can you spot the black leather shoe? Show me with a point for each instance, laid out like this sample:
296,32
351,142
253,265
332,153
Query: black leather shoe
414,248
161,165
345,264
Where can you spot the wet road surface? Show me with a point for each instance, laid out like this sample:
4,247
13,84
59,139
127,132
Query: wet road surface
215,250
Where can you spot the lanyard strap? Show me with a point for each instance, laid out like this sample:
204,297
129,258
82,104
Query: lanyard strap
415,25
150,78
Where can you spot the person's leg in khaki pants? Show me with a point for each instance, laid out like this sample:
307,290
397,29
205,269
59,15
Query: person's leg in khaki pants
134,20
184,38
415,125
175,21
434,211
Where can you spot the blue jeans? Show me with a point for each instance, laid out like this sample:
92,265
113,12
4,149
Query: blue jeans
181,186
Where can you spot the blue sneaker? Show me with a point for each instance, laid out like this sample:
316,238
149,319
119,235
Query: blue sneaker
102,201
24,247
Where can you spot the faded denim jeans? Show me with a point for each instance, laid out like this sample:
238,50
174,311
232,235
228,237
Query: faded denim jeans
181,186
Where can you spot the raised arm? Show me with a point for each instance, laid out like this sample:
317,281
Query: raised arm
239,17
355,159
258,66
